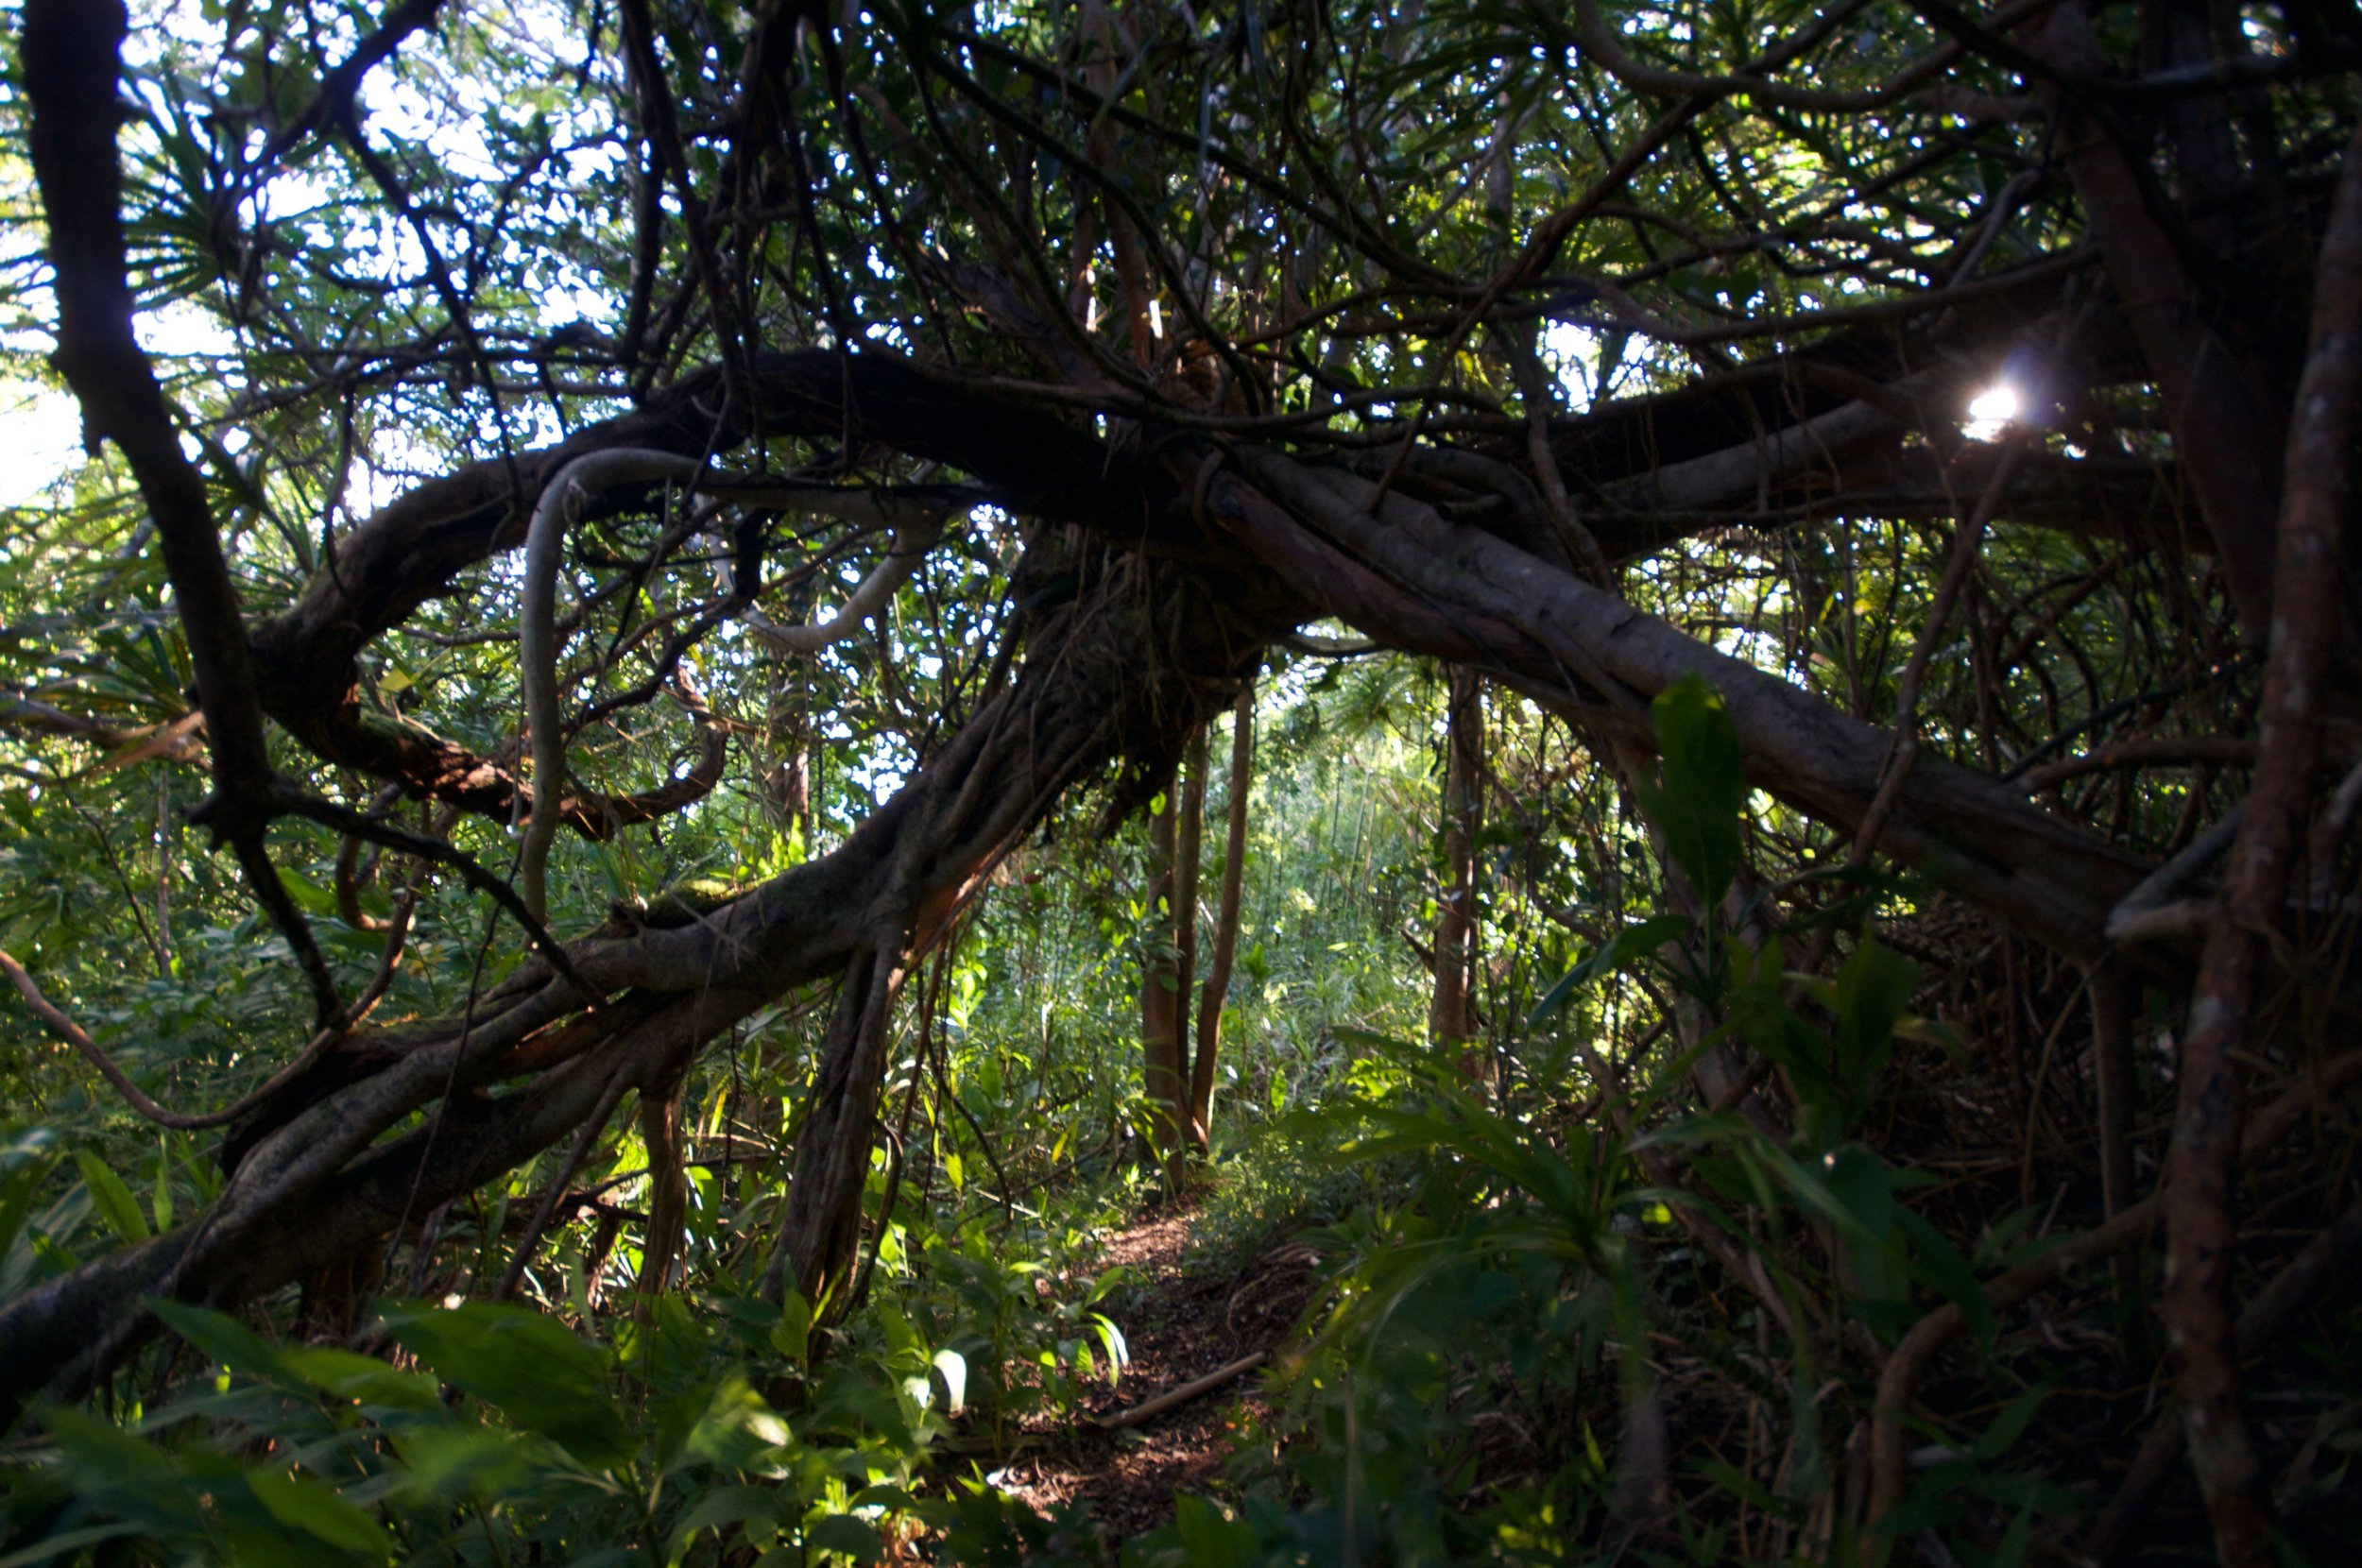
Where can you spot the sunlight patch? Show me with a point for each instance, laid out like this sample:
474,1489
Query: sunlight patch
1991,412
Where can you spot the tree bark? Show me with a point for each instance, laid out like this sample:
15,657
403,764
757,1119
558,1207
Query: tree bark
2228,439
1585,653
2308,614
668,1183
1188,849
2115,998
1451,1014
1160,987
1217,990
822,1234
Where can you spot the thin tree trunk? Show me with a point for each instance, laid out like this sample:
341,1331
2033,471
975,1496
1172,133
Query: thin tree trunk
668,1183
1451,1018
1160,988
821,1235
1225,923
2115,997
1189,863
164,868
2228,441
2308,612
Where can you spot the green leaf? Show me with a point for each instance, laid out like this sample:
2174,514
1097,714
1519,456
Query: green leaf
18,1189
163,1185
1806,1182
114,1201
1937,1264
1872,991
442,1460
676,1417
308,896
1112,1341
722,1505
842,1532
1859,1181
736,1427
204,1176
58,1545
792,1335
2017,1540
1772,1028
360,1377
2010,1424
316,1510
99,1446
1211,1541
222,1338
1704,786
952,1366
1626,948
527,1367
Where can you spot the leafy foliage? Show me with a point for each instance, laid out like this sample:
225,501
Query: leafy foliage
1715,1246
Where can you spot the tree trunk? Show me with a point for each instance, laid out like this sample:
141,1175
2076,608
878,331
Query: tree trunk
2229,440
822,1234
1189,847
1587,655
1160,987
787,782
668,1183
1451,1018
1225,923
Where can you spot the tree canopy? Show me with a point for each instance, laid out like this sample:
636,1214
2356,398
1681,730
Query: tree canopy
620,540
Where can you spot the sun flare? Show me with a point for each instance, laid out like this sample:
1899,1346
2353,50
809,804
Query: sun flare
1990,412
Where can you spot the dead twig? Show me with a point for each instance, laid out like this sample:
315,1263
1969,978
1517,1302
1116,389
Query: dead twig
1149,1410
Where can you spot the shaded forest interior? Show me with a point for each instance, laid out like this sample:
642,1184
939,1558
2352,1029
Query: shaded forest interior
1119,782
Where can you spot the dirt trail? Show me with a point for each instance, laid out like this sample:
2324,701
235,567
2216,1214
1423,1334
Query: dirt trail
1179,1328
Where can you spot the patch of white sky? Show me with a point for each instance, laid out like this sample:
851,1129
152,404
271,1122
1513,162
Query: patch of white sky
889,761
43,442
418,104
1573,353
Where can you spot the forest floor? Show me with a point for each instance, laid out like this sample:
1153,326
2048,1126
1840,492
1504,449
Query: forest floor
1180,1326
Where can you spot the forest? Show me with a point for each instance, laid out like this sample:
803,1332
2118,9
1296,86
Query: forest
1180,782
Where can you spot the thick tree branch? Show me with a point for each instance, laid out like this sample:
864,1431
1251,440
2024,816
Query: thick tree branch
2309,612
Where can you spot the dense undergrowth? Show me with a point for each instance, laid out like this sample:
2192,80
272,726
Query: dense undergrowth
1564,1314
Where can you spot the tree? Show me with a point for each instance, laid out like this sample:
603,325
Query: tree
1451,1018
1206,1062
1169,966
1212,328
